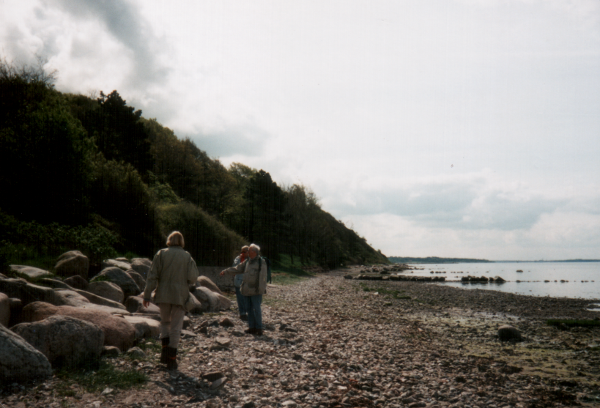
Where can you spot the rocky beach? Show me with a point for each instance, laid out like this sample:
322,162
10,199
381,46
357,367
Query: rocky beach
331,341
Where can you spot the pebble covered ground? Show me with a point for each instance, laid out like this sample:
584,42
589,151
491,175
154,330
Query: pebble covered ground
336,342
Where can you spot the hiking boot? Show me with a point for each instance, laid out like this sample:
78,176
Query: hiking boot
258,332
171,358
251,330
163,352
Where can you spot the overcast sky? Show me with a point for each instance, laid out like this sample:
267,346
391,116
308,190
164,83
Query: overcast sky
454,128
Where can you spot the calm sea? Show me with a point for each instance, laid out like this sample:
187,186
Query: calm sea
581,279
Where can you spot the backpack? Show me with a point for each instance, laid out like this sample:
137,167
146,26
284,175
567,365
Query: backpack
268,261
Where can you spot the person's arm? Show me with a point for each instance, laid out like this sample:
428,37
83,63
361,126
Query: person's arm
192,272
234,270
152,281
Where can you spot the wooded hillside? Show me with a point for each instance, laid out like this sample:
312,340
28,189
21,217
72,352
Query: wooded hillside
93,174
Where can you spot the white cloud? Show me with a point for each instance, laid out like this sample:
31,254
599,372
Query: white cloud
447,128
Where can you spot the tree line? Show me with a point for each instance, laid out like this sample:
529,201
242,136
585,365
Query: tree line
72,163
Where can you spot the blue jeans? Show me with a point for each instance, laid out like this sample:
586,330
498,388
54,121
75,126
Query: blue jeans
254,312
242,302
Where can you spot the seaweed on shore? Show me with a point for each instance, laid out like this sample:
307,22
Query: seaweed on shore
573,323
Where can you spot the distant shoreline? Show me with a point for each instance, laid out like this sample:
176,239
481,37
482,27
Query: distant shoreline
436,260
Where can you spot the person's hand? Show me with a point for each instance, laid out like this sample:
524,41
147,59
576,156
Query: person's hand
145,303
222,273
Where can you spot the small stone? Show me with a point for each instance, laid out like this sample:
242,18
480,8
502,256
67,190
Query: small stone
218,383
136,352
110,351
212,376
223,341
507,332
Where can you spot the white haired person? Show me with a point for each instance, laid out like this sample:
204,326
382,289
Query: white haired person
254,285
172,271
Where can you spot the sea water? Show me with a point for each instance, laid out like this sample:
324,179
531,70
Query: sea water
565,279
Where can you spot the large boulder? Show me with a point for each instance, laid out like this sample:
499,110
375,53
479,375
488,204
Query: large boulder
118,332
19,360
207,283
27,292
145,327
15,311
64,340
139,279
199,307
72,263
108,290
134,305
77,282
211,301
30,272
141,266
121,278
53,283
101,301
113,263
4,310
68,297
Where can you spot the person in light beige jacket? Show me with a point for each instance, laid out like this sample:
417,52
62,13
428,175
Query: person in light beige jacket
173,271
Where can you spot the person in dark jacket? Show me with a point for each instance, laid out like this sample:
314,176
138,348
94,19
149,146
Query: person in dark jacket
254,286
237,282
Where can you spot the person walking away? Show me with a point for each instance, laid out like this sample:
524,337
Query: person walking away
237,282
254,286
173,271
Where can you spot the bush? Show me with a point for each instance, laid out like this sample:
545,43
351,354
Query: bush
30,242
209,241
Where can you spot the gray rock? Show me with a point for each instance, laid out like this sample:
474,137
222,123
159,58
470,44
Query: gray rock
136,352
111,351
27,292
19,360
108,290
207,283
113,263
145,327
199,307
121,278
101,301
118,332
77,282
218,383
141,266
226,322
509,333
30,271
4,310
133,304
72,263
211,301
54,283
68,297
139,279
65,341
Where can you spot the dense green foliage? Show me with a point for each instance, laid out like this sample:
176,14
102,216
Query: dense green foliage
94,175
